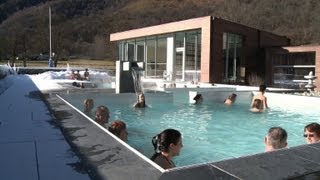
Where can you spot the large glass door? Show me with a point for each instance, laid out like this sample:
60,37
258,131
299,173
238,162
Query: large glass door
232,44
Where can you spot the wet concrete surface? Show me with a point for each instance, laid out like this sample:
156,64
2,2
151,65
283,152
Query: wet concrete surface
31,145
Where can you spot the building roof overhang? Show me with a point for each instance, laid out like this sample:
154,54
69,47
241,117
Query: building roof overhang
195,23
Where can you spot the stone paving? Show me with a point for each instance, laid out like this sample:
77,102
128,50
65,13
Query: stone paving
31,145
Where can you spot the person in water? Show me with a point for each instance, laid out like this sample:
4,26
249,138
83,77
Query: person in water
102,115
260,95
141,103
231,99
167,144
257,106
312,133
86,74
119,129
88,105
276,138
198,99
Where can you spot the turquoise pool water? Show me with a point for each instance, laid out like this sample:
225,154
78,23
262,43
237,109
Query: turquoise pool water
211,131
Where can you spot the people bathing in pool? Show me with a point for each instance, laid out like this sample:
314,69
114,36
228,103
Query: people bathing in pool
276,138
312,133
119,129
141,103
167,144
86,74
77,75
72,75
198,99
231,99
102,115
260,95
257,106
88,105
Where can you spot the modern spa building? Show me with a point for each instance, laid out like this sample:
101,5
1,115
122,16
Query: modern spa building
213,50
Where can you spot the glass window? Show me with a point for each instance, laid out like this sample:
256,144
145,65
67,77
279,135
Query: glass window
140,50
130,50
120,47
193,56
232,46
161,61
289,69
151,57
198,60
179,39
153,51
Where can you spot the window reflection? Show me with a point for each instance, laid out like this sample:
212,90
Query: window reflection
153,50
232,44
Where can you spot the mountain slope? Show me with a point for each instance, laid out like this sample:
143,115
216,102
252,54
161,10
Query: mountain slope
82,27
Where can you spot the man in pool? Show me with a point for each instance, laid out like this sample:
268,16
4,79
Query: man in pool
119,129
260,95
198,99
276,139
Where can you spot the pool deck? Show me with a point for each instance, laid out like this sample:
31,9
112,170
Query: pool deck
54,141
31,144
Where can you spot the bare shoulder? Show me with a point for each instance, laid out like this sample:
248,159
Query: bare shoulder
264,97
259,96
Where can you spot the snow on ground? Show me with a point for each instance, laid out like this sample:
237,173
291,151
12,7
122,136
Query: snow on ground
50,80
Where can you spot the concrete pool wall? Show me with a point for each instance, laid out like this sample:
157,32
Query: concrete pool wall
107,158
294,102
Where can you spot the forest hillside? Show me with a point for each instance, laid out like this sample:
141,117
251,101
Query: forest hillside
81,28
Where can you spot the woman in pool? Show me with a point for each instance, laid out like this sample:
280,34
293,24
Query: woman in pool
257,106
141,103
167,144
88,105
312,133
102,115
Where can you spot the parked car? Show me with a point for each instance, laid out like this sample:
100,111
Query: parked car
43,57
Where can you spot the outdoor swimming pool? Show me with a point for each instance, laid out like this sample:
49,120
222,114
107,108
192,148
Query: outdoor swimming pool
211,131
